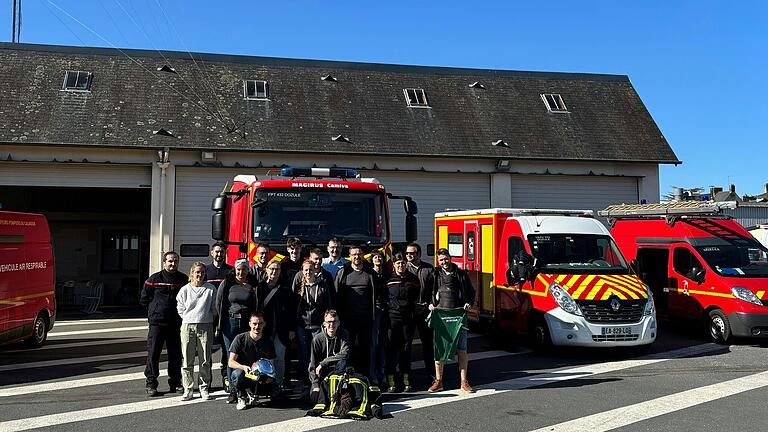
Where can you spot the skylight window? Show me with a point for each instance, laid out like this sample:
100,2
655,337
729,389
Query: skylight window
416,97
554,102
77,80
253,89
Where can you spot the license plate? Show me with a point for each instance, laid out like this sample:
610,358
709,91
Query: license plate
617,330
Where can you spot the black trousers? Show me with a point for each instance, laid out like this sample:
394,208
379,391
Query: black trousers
399,341
170,336
427,343
360,344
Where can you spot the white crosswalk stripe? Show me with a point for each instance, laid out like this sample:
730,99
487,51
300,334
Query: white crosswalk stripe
415,401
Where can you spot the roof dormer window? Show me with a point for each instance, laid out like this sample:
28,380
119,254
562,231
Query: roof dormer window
554,102
253,89
77,80
416,97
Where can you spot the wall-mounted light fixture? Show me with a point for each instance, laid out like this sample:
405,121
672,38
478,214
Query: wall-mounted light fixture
503,164
208,156
163,155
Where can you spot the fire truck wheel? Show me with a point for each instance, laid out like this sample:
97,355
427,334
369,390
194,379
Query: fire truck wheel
539,333
719,327
39,332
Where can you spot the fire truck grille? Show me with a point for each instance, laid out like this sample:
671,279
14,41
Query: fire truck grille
615,338
600,311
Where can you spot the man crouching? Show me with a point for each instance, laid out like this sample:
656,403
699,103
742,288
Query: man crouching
330,350
245,350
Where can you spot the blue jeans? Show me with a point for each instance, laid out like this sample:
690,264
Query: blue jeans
232,328
239,382
305,337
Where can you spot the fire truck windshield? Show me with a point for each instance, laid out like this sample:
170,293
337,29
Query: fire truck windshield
736,260
315,215
577,253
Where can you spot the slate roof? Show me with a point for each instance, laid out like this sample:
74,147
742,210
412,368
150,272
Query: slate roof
130,98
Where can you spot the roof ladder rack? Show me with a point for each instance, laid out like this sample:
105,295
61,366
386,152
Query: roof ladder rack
671,211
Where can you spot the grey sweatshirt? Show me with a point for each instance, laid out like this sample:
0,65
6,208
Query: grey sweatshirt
196,305
327,351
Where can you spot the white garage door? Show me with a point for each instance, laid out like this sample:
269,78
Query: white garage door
572,192
196,187
433,192
75,175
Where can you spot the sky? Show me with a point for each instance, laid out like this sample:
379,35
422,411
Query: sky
697,65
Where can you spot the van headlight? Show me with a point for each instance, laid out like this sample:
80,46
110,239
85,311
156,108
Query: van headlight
564,300
746,295
650,307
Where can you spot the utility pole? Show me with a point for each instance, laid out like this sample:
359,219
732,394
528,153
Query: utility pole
16,27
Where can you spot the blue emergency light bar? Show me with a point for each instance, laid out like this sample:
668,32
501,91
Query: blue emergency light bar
318,172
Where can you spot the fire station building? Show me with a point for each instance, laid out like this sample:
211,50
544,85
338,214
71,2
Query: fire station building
124,150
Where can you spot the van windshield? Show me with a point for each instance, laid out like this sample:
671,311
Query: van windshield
749,261
577,253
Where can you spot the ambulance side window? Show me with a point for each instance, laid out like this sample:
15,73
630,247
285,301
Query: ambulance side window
514,245
684,262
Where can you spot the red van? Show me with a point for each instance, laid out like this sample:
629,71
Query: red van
27,301
699,264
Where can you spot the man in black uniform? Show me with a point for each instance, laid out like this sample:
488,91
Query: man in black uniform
357,296
423,271
215,274
159,297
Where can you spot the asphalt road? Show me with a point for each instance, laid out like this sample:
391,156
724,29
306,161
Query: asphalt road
89,376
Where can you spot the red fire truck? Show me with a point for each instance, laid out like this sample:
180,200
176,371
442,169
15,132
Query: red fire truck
312,204
556,275
699,263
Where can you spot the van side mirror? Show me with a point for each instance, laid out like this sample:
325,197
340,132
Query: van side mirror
697,274
431,249
411,228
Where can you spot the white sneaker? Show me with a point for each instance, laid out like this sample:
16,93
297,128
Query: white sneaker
241,403
204,394
187,396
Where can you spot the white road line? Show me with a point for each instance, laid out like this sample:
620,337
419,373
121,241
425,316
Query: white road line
76,344
424,400
96,413
630,414
15,390
70,361
85,382
99,321
96,331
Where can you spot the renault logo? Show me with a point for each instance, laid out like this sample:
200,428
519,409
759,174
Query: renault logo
615,304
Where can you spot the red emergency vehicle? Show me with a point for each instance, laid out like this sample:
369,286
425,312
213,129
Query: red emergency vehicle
556,275
27,301
313,204
699,263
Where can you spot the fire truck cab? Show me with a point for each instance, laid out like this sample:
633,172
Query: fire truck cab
312,204
556,275
699,263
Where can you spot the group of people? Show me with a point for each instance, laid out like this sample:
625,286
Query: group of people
258,311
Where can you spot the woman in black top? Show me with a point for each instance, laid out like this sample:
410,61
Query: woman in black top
314,298
403,289
236,298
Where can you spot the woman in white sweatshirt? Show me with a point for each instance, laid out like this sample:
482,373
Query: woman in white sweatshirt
195,303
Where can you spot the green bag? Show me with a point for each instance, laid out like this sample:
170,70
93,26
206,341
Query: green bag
447,323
